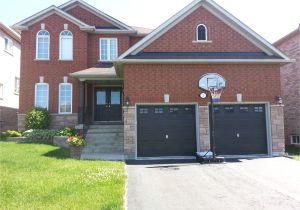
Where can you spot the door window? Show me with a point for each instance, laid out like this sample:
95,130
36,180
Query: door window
115,97
101,97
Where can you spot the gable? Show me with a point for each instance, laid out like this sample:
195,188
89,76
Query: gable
221,14
182,36
90,18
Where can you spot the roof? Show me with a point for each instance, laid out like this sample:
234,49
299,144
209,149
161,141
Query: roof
142,30
24,24
216,10
95,72
288,36
70,4
12,33
202,55
61,11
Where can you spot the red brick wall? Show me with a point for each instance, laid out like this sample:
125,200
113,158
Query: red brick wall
290,83
148,83
180,37
53,70
93,46
87,17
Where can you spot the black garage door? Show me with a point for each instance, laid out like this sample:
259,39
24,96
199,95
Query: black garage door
166,130
240,129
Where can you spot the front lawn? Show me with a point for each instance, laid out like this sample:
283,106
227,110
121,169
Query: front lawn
40,176
293,151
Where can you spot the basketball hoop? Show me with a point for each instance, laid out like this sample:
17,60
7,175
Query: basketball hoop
215,93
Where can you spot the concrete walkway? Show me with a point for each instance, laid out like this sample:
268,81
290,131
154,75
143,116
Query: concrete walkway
265,183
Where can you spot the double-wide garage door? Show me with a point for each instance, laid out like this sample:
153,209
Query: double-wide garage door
166,130
240,129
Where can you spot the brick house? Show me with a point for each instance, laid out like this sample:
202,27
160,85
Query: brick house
290,85
136,93
10,46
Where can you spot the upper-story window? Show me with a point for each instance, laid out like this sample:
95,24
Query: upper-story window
201,32
108,49
66,45
41,95
65,98
8,45
42,45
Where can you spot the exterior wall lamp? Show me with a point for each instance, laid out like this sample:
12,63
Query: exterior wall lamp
127,101
279,100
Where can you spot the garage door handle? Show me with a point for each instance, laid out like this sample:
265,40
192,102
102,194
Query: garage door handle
167,136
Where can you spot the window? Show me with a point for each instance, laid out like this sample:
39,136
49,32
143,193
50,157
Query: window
41,95
201,33
295,139
108,49
258,109
65,98
66,45
42,45
158,110
115,97
1,91
17,85
8,45
144,110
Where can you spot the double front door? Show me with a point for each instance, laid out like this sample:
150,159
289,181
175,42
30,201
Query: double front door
108,104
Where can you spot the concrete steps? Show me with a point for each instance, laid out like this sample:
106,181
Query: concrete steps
104,142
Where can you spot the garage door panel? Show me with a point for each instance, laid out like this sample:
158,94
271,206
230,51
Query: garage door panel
168,130
240,129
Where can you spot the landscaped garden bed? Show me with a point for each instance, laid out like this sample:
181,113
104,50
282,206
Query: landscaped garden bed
293,151
41,176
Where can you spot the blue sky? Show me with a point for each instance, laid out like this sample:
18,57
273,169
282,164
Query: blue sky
270,18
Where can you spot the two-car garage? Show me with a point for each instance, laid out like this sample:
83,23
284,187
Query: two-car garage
171,130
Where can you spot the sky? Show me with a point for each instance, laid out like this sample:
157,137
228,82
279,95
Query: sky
272,19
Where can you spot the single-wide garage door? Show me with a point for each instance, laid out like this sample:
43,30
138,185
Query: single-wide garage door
240,129
166,130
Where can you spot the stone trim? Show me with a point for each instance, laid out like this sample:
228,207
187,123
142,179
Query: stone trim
129,132
57,120
204,138
277,127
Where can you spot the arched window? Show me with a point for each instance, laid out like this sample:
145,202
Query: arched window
201,32
41,95
66,45
42,45
65,98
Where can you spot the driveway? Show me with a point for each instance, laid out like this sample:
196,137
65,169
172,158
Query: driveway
265,183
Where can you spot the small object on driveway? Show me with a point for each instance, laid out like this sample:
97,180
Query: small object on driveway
202,159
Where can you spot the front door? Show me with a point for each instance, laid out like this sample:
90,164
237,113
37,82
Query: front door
108,104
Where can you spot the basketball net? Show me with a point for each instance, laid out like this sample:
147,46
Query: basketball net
215,93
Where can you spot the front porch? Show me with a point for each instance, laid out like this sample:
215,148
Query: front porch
100,112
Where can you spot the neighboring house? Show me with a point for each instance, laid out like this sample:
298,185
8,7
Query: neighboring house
290,86
90,69
10,45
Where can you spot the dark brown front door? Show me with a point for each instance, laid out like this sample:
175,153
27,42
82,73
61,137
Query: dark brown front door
108,104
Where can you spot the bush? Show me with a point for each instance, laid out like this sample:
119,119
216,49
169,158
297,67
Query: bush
12,133
66,131
40,134
37,118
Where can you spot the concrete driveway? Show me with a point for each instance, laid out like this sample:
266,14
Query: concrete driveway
265,183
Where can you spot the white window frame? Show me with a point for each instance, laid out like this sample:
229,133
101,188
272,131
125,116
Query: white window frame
60,46
71,98
9,47
1,91
201,40
108,51
36,45
35,95
17,89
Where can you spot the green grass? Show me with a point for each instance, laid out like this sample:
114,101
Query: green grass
40,176
293,151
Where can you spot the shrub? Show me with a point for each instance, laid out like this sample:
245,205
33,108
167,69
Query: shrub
12,133
76,141
37,118
41,134
66,131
